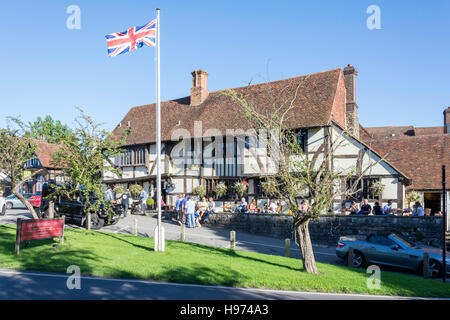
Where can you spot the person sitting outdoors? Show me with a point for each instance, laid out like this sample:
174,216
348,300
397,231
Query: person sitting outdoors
304,206
279,205
418,210
202,206
243,206
353,209
377,209
236,207
272,207
197,216
252,206
210,209
366,208
266,206
387,209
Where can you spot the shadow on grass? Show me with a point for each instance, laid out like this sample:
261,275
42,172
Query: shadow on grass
112,235
40,255
190,274
238,254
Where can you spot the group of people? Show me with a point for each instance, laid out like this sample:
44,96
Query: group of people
193,213
270,206
126,200
365,209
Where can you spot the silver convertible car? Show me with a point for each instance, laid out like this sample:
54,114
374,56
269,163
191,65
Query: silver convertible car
390,250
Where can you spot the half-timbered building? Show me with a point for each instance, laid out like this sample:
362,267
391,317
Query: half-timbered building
201,144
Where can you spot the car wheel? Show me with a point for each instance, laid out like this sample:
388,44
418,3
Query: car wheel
358,259
9,205
435,269
96,222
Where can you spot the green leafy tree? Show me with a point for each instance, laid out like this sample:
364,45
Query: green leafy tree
53,131
85,153
16,148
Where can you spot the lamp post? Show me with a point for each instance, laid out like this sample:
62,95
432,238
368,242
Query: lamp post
444,225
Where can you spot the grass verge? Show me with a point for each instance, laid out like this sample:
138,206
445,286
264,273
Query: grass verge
123,256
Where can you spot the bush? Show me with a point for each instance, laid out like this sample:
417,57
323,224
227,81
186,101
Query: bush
136,189
200,191
240,187
118,190
220,190
150,201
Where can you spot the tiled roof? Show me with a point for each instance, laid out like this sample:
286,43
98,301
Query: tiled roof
428,131
390,132
319,99
44,152
420,157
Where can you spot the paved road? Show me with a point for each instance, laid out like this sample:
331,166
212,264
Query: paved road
26,285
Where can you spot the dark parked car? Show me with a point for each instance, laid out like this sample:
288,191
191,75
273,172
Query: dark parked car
75,209
390,250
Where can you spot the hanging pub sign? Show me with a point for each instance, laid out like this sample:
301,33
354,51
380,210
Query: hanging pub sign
35,229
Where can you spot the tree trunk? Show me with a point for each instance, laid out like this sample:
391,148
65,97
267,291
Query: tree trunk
25,203
309,262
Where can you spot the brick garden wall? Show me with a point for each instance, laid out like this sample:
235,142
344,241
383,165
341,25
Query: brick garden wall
327,229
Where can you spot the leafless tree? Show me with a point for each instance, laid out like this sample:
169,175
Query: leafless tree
300,176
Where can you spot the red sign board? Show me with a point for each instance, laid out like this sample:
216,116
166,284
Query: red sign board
35,229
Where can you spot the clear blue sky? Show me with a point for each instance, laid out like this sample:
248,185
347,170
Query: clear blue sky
46,68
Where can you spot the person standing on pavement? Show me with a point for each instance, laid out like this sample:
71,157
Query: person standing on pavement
109,194
125,202
178,206
190,212
183,209
143,200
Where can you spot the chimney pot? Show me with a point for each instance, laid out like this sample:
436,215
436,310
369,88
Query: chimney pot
199,90
447,120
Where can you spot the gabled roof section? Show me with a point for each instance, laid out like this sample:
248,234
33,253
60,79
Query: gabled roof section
316,100
44,151
420,156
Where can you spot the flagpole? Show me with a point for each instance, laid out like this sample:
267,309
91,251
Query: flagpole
159,231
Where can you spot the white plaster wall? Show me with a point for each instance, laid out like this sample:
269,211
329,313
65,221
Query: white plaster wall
179,185
141,171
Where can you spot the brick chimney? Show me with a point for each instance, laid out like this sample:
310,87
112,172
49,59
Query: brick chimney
351,107
447,120
199,90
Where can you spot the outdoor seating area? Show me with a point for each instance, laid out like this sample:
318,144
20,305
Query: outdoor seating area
364,208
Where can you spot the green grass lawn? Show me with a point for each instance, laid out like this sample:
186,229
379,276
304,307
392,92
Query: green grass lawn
124,256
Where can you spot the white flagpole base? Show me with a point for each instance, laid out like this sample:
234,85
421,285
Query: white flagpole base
159,239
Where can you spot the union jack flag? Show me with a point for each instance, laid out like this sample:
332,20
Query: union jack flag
123,42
